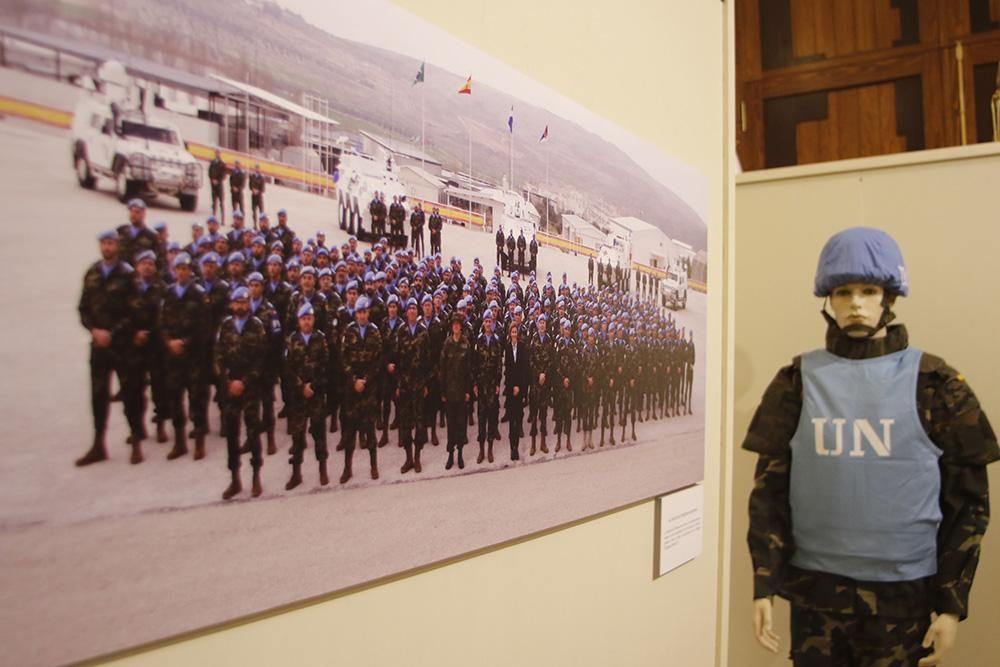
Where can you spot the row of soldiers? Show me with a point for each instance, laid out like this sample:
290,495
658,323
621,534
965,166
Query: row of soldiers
520,245
396,215
239,179
356,344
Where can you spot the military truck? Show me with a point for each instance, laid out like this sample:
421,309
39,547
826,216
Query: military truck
674,289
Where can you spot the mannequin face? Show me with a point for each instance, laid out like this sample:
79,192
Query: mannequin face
857,308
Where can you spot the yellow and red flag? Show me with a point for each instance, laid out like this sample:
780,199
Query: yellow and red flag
466,89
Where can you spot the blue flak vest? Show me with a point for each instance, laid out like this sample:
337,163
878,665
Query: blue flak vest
864,475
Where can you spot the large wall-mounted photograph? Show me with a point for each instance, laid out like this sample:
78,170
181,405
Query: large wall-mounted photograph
307,295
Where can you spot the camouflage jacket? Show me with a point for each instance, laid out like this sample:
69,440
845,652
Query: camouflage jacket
134,242
105,302
305,362
217,300
360,356
567,361
321,311
409,353
455,369
186,318
240,356
954,421
543,357
487,363
145,306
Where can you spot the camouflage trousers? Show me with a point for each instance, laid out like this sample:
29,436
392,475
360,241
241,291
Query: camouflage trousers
821,639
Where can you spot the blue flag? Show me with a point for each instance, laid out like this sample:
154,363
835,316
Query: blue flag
510,120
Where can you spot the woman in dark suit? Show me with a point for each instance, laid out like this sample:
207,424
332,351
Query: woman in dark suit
517,372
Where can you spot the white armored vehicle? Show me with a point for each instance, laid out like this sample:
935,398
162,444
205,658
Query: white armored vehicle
114,138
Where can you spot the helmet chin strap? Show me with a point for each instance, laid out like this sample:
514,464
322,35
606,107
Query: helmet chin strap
887,317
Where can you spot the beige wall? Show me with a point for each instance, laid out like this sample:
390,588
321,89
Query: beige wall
584,595
946,217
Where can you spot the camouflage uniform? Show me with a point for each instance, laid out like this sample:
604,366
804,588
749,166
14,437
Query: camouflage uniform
217,300
105,304
409,352
360,356
487,363
147,360
134,239
833,613
186,317
565,368
455,374
436,332
305,362
239,356
271,368
542,356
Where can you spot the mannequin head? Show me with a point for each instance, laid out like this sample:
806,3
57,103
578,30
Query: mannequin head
858,308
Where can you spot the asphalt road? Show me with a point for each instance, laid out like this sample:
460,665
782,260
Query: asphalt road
98,559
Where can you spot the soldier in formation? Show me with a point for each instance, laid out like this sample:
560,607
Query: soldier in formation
373,343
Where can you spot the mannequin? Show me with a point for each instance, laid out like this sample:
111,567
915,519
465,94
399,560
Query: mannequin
867,515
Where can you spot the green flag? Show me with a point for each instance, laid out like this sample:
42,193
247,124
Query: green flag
420,75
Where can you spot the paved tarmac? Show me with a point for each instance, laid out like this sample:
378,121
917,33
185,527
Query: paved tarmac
99,559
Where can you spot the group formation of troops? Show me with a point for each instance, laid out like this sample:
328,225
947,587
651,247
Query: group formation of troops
239,180
511,251
361,341
395,214
646,285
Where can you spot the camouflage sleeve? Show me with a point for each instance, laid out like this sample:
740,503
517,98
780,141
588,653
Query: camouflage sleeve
777,417
956,423
770,534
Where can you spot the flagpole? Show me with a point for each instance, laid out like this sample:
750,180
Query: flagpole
547,187
470,176
512,152
423,124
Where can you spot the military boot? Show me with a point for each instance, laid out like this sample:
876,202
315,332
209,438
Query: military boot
234,487
180,445
373,456
602,436
532,451
558,442
612,435
348,462
434,437
272,447
569,445
324,476
408,464
97,452
161,431
296,477
257,488
136,454
489,451
545,450
461,461
384,440
482,453
199,446
416,458
451,460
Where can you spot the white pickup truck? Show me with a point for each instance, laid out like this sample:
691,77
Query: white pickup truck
674,289
141,152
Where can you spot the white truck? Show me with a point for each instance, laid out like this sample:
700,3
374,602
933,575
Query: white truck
674,289
141,152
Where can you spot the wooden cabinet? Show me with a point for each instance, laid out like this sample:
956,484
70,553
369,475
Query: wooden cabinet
822,80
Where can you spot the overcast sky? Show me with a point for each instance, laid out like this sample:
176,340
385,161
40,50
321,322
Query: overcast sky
403,32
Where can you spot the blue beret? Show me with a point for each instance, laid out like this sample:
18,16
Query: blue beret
322,251
282,211
182,259
235,256
240,293
197,225
352,285
340,265
361,304
136,203
204,240
210,257
461,304
160,226
369,277
308,271
263,216
380,275
411,302
305,309
259,239
173,245
518,310
427,298
144,255
255,277
488,315
108,235
236,214
393,299
543,318
275,259
293,263
324,272
493,304
403,281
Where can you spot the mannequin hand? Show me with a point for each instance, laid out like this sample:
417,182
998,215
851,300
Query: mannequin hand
941,635
762,627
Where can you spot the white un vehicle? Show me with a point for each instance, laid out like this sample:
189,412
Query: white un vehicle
674,289
141,152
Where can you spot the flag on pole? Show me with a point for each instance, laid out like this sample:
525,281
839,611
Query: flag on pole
420,75
510,120
466,89
545,135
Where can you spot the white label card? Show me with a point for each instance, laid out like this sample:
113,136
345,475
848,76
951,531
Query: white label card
680,529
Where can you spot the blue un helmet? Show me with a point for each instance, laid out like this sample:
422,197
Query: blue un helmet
861,255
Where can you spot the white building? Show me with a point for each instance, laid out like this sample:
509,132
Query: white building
577,230
420,183
647,244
